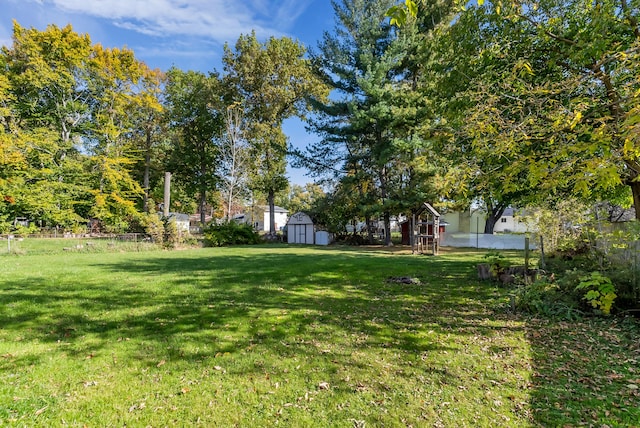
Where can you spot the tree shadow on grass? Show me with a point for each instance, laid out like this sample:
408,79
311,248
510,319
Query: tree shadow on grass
325,306
212,291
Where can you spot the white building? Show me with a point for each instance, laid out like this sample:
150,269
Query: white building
473,221
300,229
510,222
258,217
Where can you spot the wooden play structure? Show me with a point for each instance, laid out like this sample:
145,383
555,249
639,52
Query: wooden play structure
425,230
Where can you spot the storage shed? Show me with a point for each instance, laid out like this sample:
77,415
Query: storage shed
300,229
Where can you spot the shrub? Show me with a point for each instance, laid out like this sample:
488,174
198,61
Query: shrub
600,291
171,234
497,263
154,227
559,227
26,230
546,297
230,233
601,269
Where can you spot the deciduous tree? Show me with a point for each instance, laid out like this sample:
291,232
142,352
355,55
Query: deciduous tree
197,114
272,81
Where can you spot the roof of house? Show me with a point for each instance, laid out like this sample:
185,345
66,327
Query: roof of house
275,208
508,212
179,216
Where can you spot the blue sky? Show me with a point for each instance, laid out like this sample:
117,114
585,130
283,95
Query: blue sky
188,34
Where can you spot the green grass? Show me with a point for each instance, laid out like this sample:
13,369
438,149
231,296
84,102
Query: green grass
295,336
31,246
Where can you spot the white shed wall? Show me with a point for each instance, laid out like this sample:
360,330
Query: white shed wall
300,234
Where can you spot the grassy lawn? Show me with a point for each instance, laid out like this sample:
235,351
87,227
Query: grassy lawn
295,336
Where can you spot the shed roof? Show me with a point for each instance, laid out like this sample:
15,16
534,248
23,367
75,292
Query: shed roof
300,218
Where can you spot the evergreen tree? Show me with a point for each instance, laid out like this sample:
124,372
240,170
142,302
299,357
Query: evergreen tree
369,126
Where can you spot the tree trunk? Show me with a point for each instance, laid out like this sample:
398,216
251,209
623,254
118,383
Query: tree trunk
635,191
493,215
385,215
387,229
147,168
229,202
203,203
272,213
203,194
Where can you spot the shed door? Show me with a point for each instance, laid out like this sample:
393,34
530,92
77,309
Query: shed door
302,234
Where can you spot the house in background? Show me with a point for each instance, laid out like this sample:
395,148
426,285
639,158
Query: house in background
182,221
473,221
469,221
281,217
258,218
511,222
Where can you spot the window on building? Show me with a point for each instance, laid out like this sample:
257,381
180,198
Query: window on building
503,220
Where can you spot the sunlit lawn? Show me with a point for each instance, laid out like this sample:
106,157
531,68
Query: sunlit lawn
295,336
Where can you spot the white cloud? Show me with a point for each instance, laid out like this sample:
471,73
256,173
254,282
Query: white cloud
218,20
5,36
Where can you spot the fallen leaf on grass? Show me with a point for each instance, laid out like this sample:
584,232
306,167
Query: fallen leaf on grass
161,363
632,386
137,407
40,411
323,385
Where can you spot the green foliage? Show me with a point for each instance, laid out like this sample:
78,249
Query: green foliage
560,225
601,268
617,253
300,198
65,151
154,227
497,262
547,298
5,224
230,233
271,81
398,14
552,95
21,230
600,291
171,237
373,145
196,112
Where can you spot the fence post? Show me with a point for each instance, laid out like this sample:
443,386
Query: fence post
542,264
526,259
